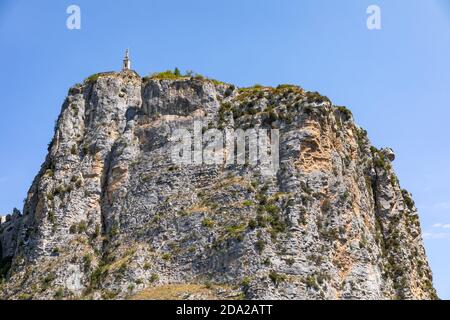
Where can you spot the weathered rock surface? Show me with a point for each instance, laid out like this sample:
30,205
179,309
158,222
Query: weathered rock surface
109,216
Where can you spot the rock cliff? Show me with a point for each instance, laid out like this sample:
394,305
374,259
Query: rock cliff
110,216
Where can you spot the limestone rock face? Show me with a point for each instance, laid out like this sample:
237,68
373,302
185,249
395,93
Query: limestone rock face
110,216
9,228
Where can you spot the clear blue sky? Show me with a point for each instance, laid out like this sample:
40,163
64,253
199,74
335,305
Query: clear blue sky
396,80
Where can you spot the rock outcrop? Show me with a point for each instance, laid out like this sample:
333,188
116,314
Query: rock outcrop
110,216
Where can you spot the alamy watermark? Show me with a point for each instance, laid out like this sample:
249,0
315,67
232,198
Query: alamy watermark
374,19
73,21
252,147
373,22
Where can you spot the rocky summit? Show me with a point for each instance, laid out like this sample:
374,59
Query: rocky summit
110,216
